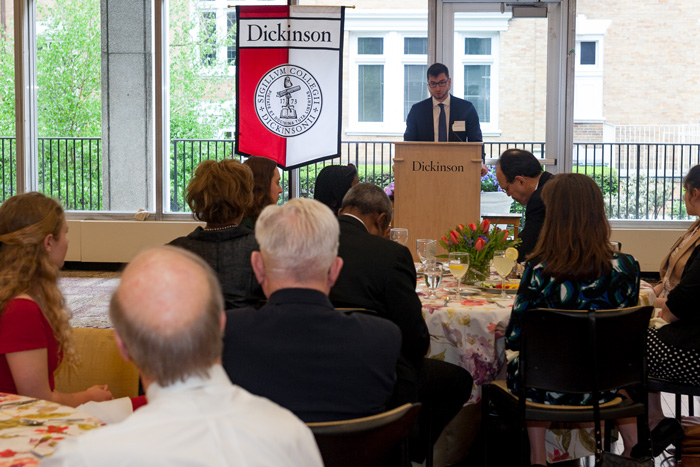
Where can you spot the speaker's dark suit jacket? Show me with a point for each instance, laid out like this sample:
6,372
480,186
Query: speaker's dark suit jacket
419,123
379,275
320,363
534,219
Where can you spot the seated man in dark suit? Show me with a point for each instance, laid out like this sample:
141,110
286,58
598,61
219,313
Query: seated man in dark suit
297,350
520,175
379,275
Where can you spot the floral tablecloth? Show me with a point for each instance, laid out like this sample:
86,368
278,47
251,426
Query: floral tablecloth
470,331
30,428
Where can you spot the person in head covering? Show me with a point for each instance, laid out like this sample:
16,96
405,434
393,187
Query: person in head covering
333,182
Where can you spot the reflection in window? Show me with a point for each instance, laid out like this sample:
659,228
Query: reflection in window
370,45
415,45
477,46
587,53
477,89
231,37
413,86
371,93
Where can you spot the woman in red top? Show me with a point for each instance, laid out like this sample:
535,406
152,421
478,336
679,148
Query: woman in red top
35,334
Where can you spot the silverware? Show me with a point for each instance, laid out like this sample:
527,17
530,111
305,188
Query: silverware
491,300
15,404
447,300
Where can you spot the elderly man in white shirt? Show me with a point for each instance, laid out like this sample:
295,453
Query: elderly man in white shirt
168,316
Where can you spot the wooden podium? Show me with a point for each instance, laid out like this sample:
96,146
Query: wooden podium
437,186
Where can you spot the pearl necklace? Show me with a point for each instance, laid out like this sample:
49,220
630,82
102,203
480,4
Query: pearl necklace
210,229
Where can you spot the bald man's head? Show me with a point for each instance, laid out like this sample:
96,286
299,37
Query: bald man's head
167,311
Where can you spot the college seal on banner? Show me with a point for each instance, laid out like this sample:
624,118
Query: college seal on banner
288,100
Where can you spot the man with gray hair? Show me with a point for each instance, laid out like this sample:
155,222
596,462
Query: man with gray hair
321,363
379,275
168,316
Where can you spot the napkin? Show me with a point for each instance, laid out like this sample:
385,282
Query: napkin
113,411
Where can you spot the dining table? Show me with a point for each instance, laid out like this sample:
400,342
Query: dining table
469,331
31,429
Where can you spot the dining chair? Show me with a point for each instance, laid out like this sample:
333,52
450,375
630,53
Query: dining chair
680,390
99,363
580,352
376,441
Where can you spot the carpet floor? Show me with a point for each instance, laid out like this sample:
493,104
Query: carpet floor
87,295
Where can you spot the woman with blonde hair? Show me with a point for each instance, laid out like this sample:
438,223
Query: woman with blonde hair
35,333
219,194
572,267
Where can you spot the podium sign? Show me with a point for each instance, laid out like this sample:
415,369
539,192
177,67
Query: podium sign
437,186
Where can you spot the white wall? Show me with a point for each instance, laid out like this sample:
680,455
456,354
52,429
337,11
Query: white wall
118,241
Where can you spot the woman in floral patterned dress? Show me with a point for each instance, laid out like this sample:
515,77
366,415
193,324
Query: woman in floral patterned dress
572,267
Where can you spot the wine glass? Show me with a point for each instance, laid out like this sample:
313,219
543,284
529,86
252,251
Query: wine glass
433,276
458,261
426,247
503,265
399,235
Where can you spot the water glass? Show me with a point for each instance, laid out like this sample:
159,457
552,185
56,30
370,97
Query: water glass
399,235
433,276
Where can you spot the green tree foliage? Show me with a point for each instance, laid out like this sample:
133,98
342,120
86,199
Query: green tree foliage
68,69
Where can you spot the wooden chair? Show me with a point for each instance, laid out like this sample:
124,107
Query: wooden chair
579,352
680,390
377,441
100,363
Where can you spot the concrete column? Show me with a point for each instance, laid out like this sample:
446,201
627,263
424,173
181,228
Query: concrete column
127,105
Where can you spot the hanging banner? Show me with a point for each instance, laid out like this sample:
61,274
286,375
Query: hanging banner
288,82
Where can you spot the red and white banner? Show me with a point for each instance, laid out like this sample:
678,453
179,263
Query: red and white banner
288,82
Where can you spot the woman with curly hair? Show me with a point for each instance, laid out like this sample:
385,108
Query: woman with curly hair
35,333
266,187
218,194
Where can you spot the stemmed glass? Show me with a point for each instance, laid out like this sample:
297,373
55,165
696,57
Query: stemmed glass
426,247
433,276
503,265
458,261
399,235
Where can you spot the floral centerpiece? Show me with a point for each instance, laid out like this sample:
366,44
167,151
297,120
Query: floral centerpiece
480,242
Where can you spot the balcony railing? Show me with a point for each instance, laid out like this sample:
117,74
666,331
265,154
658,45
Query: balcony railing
638,180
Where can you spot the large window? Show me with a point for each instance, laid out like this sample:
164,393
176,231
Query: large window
386,70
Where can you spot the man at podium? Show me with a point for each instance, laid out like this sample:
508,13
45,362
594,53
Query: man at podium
428,119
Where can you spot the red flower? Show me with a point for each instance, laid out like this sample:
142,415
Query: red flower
479,244
472,226
444,239
485,225
460,227
505,235
454,236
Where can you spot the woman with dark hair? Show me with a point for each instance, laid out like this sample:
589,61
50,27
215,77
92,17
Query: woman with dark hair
35,333
572,267
333,182
673,264
266,187
219,194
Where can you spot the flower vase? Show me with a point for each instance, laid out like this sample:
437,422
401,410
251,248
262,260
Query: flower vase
483,266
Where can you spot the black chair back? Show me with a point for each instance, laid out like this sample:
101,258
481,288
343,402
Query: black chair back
558,350
376,441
